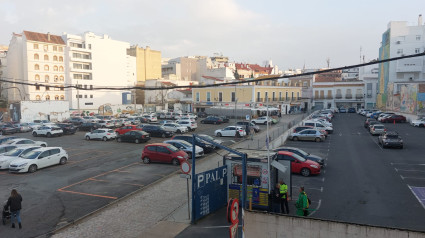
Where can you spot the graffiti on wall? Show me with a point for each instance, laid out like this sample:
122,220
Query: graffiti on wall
421,99
408,95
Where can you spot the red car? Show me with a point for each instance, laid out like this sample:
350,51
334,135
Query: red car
300,165
394,118
164,153
128,128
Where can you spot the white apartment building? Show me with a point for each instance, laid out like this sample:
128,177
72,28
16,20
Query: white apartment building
338,94
3,67
94,61
36,58
369,75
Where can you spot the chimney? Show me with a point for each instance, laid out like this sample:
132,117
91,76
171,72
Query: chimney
48,36
420,20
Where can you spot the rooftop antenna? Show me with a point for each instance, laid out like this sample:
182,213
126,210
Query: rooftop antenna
360,54
328,61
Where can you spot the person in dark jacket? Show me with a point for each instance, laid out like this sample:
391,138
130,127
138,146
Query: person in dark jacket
15,204
276,199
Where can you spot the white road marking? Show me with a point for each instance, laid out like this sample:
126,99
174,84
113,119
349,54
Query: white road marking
396,170
402,177
323,179
318,206
413,178
409,170
423,205
406,164
380,147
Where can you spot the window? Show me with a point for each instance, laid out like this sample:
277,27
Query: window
208,96
85,86
55,68
286,96
273,96
35,46
418,37
417,50
266,96
55,58
46,57
60,59
233,96
85,96
36,67
91,96
55,78
61,78
36,57
292,95
37,87
37,97
37,77
60,49
197,96
46,47
56,97
47,88
46,67
161,149
78,76
298,94
46,78
400,51
91,87
258,96
220,96
61,88
47,97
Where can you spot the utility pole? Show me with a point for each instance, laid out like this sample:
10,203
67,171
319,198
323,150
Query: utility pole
268,141
135,99
78,99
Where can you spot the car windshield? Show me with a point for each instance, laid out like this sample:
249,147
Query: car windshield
172,148
31,155
185,143
298,157
207,137
14,152
392,136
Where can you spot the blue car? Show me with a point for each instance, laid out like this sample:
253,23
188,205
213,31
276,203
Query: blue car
351,110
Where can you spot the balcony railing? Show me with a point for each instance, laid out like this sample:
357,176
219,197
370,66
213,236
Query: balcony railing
274,99
329,97
319,97
359,96
348,96
260,99
338,96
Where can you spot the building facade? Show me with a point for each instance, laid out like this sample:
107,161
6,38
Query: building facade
3,68
369,75
148,63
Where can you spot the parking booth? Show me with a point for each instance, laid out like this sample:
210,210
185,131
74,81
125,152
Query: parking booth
257,176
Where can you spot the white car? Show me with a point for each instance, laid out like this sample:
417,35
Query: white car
230,131
262,120
48,131
106,123
4,148
186,147
191,125
101,134
176,128
39,158
324,122
418,122
8,157
151,118
24,142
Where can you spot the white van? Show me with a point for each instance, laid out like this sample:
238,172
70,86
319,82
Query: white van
318,125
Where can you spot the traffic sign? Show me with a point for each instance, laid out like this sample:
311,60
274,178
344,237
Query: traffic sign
185,167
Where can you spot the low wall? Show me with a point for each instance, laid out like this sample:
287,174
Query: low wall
261,224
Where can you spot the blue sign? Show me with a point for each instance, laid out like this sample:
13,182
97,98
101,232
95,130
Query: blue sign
211,191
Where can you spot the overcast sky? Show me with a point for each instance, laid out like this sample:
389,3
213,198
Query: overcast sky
290,33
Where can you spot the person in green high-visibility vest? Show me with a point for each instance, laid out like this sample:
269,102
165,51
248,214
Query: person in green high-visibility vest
302,203
284,197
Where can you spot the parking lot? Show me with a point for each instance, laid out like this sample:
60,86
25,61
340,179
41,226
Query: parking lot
363,182
97,173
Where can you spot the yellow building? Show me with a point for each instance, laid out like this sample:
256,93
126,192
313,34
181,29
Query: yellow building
246,96
148,63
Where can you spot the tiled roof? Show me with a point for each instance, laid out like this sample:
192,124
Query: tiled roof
41,37
254,67
168,84
212,78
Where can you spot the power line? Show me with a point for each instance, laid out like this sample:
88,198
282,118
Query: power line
218,84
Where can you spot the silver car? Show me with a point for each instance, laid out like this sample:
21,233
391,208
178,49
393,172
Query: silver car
377,129
308,134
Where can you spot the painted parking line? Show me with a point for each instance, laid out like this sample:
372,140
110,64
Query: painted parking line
406,177
132,184
87,194
419,193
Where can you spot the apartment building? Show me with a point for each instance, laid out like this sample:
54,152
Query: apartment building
36,58
3,67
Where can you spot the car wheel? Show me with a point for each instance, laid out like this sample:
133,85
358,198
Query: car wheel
219,134
87,137
137,141
62,161
179,132
119,139
265,123
49,135
163,135
34,134
295,138
104,138
318,140
32,168
421,125
175,161
146,160
305,172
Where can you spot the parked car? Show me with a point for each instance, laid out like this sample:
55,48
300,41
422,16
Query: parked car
4,139
308,135
303,154
89,126
235,131
125,129
377,129
418,122
384,115
77,120
247,125
394,119
299,164
134,136
67,128
47,131
212,120
186,147
100,134
6,148
162,152
105,124
261,120
202,114
367,122
24,127
5,129
215,140
342,110
24,142
157,131
191,125
351,110
39,158
8,157
208,147
151,118
176,128
390,139
319,126
301,128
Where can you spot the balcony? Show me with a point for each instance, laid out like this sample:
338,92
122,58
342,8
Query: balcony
260,100
338,96
319,97
274,99
329,97
359,96
348,96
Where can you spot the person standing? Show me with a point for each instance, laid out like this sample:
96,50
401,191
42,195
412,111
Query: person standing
276,199
15,204
302,203
284,197
252,132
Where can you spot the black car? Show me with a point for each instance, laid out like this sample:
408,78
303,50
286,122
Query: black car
303,154
157,131
202,114
89,126
212,120
5,129
390,139
67,128
206,146
134,136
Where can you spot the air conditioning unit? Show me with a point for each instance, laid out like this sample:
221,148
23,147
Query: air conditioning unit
398,42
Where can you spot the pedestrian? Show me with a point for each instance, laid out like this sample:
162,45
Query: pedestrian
247,129
276,199
302,203
15,204
284,197
252,132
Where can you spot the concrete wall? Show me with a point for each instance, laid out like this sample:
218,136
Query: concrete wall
260,224
42,110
